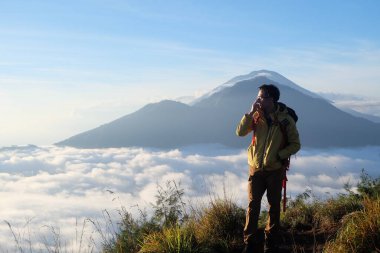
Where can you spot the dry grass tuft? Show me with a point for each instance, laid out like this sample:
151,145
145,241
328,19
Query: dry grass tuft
220,226
360,230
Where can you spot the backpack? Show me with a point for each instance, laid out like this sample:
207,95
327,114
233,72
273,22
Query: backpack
286,162
290,110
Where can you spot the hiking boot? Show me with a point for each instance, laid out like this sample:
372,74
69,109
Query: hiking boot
248,248
253,248
271,242
270,247
273,249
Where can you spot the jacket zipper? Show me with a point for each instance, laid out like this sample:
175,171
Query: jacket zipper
264,150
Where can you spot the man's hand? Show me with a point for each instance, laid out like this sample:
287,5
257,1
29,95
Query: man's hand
255,106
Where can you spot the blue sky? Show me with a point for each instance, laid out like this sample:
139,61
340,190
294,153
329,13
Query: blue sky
69,66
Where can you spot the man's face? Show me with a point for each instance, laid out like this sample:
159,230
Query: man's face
265,100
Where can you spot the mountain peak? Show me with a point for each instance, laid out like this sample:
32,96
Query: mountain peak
272,76
275,77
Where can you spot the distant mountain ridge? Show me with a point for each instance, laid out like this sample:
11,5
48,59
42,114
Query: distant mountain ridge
213,119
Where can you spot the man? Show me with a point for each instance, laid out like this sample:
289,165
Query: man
269,121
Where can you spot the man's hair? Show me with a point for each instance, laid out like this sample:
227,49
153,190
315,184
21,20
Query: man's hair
272,91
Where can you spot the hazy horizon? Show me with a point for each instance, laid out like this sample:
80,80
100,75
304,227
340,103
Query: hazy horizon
363,104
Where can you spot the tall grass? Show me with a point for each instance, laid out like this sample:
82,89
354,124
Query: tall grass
330,213
360,230
49,239
175,239
348,222
216,227
219,226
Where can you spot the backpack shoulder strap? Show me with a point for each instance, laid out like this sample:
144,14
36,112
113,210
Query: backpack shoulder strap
283,124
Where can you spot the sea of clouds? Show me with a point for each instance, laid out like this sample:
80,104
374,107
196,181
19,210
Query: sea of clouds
51,192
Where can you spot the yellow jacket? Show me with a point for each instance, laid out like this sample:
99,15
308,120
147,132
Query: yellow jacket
269,148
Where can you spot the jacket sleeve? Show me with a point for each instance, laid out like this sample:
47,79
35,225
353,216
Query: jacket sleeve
294,143
245,125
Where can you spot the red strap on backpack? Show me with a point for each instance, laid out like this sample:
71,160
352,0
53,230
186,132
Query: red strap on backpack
285,163
286,168
284,197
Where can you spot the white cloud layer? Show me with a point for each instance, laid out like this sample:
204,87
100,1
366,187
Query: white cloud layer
56,187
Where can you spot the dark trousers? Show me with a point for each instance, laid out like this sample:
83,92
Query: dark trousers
258,183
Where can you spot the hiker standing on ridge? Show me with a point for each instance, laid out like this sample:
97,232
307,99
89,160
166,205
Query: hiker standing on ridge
275,140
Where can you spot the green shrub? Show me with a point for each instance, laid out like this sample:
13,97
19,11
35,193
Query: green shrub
219,227
174,239
300,212
131,234
169,209
369,186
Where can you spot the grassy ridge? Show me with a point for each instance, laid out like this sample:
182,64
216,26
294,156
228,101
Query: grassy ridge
349,222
